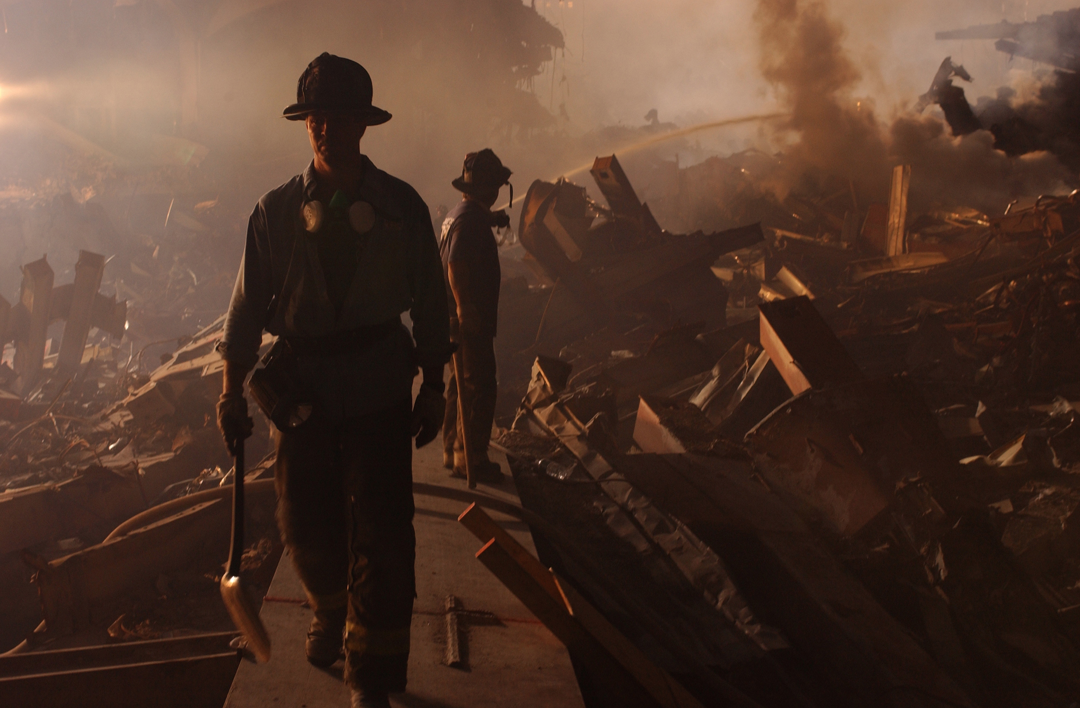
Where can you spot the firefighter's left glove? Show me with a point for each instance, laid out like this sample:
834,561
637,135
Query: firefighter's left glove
233,420
427,414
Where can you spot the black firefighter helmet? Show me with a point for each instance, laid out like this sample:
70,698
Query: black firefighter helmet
333,83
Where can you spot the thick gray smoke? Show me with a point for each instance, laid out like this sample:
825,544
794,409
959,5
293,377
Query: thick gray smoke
180,100
803,56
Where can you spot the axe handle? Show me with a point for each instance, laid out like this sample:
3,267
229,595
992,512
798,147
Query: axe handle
236,546
462,426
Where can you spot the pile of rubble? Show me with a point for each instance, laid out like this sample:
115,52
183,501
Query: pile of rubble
824,459
860,490
87,442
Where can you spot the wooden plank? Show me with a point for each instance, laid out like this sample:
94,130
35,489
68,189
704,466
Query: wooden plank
476,520
896,243
552,612
88,271
870,267
570,613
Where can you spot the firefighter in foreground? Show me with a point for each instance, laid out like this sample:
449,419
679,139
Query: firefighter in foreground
470,256
332,259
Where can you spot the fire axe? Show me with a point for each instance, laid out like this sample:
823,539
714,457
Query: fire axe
237,601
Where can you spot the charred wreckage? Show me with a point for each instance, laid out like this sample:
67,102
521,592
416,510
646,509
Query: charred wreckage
824,456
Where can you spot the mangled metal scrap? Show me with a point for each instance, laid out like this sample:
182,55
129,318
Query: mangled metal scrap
1045,534
1052,39
188,382
802,346
601,267
668,426
548,411
625,670
877,348
785,572
951,98
624,202
842,451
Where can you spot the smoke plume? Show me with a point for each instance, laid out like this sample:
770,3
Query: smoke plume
804,59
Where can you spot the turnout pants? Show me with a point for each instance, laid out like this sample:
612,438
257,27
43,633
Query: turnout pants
345,510
478,394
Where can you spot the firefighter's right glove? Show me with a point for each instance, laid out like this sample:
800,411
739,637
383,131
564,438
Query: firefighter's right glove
427,414
233,420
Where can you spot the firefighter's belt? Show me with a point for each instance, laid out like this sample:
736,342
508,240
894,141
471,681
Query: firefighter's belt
338,343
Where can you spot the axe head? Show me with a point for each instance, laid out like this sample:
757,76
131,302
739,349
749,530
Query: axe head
245,617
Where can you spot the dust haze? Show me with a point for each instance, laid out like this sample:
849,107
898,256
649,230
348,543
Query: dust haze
175,103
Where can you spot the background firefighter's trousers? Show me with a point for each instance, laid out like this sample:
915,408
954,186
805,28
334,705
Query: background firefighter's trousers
478,394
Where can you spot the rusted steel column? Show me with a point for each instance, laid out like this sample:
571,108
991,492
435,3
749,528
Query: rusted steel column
88,272
36,298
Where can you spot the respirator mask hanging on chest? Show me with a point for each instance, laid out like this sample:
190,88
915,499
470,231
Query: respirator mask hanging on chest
359,215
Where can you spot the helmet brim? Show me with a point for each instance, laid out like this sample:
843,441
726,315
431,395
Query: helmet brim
473,188
372,115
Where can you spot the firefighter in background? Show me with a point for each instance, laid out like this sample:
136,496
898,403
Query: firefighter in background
333,258
470,256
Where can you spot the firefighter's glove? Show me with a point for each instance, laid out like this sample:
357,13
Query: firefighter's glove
427,414
233,420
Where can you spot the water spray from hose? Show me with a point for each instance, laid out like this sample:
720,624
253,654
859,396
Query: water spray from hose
655,139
